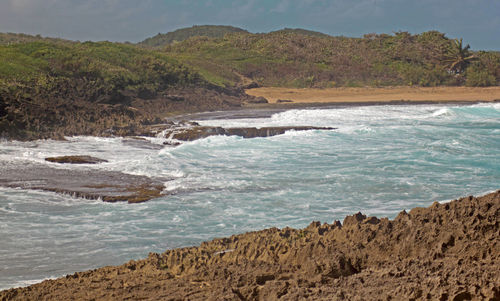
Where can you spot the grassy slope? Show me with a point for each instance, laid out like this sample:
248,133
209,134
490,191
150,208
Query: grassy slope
110,67
292,58
44,82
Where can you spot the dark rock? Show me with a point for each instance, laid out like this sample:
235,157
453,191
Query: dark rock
85,183
251,85
283,100
354,219
75,160
195,133
170,143
259,99
262,279
372,220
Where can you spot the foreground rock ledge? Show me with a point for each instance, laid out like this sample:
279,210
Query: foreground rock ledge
445,252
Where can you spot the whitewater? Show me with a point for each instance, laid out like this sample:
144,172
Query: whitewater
380,160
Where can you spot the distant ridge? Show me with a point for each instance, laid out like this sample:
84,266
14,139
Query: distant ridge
179,35
302,32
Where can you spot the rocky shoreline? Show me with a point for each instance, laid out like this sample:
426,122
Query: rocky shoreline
448,251
111,186
190,131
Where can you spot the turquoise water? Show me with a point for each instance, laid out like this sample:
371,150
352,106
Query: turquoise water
380,160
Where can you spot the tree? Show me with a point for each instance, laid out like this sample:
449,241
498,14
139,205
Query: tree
459,57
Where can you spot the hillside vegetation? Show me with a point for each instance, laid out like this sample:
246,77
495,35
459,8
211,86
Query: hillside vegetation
302,32
87,87
292,58
52,87
179,35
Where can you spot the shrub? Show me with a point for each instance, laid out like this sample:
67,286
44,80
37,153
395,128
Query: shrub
478,77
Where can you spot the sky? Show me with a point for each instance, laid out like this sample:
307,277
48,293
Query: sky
476,21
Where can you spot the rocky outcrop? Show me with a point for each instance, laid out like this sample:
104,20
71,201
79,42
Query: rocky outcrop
259,99
448,251
68,113
283,100
75,160
91,184
199,132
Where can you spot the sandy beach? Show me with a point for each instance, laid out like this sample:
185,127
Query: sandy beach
368,94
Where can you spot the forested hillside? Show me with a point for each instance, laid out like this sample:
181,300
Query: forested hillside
292,58
52,87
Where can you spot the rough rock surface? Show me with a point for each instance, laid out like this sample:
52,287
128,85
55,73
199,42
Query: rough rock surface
86,183
448,251
67,113
199,132
75,160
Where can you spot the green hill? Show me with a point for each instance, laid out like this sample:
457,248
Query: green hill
54,87
51,88
291,58
179,35
100,70
302,32
13,38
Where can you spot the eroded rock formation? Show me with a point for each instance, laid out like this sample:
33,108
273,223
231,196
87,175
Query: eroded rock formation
448,251
199,132
109,186
83,159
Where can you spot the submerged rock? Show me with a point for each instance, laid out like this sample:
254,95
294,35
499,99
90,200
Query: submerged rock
108,186
76,160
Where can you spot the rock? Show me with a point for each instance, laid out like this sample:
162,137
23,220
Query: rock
109,186
302,264
199,132
170,143
251,85
259,99
283,100
76,160
354,219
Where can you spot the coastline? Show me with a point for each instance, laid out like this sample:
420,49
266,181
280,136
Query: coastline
448,251
281,107
109,190
368,95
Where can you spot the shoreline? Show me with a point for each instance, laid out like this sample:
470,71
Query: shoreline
423,252
368,95
266,110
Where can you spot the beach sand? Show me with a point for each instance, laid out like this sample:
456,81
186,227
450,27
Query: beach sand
377,95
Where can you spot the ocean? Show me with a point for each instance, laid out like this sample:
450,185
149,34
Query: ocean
380,160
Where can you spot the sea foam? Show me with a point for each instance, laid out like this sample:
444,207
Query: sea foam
380,160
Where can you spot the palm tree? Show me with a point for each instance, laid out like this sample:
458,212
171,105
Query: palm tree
459,57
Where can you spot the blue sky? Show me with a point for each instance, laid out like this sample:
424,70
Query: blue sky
477,21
